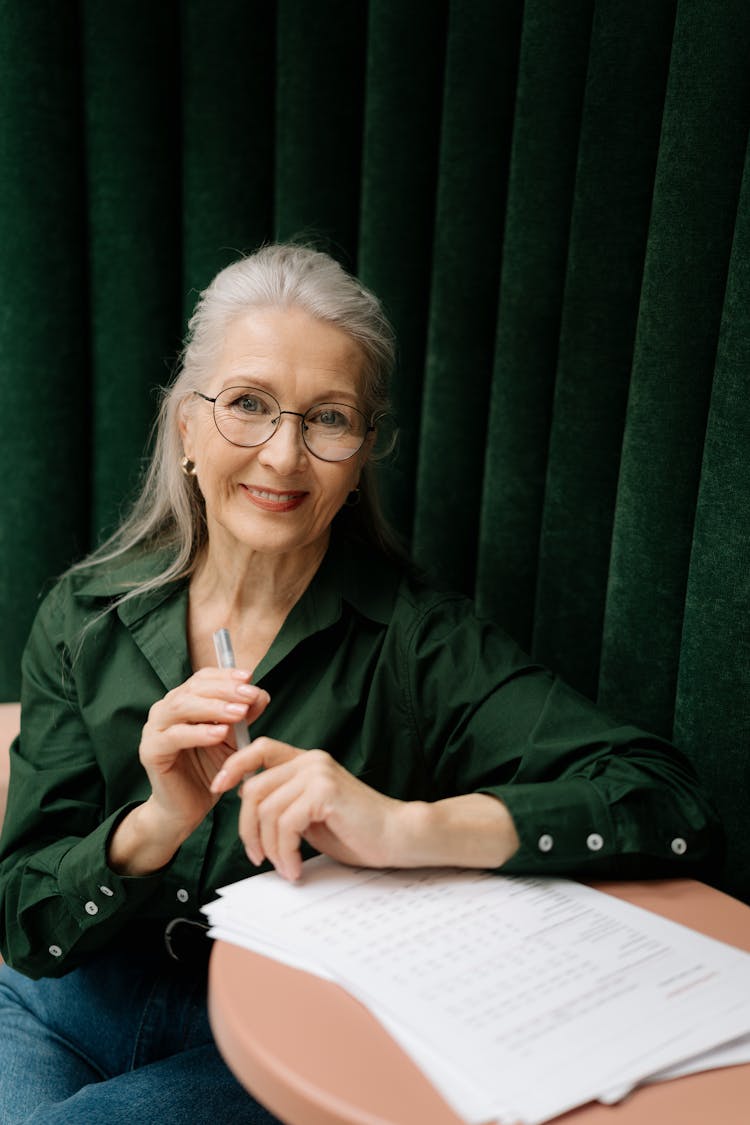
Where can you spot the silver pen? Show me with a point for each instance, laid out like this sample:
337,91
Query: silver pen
225,658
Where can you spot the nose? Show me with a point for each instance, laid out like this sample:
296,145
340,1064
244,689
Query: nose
285,450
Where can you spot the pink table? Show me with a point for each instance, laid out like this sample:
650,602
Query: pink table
315,1056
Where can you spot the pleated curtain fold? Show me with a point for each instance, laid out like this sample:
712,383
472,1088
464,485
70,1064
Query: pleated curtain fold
553,200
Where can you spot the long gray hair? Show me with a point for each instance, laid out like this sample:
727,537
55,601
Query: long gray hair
169,512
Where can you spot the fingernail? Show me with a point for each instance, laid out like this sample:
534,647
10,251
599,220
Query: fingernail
235,709
240,674
247,691
218,781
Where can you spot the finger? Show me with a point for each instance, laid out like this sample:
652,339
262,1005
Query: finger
242,722
229,684
189,708
249,828
257,702
257,787
261,753
266,794
211,673
254,791
282,819
234,690
306,798
162,747
214,702
291,828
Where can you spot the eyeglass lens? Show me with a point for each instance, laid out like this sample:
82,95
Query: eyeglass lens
248,416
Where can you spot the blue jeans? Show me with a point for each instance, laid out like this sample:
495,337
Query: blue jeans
123,1039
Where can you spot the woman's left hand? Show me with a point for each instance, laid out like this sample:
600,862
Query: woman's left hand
307,794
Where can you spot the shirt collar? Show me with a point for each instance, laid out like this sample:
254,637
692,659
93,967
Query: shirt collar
110,582
351,571
348,574
354,573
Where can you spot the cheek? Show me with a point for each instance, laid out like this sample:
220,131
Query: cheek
218,470
199,438
340,485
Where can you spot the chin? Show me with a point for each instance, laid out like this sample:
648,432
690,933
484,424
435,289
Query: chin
269,537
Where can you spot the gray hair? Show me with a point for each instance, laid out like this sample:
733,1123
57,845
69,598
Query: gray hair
169,512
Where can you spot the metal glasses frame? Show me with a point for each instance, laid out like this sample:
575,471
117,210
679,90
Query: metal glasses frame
296,413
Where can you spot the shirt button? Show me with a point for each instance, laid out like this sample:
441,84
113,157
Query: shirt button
678,845
91,908
182,895
545,843
594,842
107,891
55,950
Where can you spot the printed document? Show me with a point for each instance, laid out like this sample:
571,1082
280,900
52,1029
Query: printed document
520,998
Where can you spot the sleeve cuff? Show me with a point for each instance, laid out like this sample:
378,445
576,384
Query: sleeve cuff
562,826
92,892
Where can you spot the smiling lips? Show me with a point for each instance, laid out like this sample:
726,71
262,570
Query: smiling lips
270,500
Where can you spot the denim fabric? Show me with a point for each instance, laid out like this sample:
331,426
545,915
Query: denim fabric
124,1039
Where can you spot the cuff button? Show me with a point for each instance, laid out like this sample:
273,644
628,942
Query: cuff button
55,950
678,846
594,842
545,843
91,908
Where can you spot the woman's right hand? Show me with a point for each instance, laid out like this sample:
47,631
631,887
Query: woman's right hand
184,743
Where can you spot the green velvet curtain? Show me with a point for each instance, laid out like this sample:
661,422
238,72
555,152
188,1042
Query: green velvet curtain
553,200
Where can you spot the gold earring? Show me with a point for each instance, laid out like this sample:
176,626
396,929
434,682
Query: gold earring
188,467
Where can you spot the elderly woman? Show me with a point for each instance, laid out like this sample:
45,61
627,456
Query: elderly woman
389,725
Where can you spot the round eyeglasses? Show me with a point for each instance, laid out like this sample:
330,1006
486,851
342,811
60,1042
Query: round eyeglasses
248,416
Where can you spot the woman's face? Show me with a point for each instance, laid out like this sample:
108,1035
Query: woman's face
276,497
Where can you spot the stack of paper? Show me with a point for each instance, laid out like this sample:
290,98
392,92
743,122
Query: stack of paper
519,998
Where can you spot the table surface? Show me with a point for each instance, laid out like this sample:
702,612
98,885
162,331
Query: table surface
315,1056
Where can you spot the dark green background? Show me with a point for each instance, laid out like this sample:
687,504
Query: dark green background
553,200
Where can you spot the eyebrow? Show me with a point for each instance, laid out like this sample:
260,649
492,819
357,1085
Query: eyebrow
246,382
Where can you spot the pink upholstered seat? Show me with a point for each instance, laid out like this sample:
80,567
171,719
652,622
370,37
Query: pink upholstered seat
10,720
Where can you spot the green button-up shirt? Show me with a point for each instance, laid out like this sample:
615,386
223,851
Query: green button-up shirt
402,684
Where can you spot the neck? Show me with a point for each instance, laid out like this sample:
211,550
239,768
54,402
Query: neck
237,581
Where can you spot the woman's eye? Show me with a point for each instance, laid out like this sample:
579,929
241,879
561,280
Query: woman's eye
249,404
329,417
